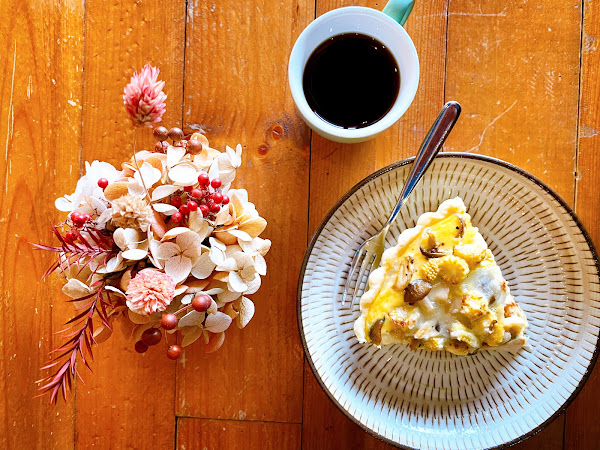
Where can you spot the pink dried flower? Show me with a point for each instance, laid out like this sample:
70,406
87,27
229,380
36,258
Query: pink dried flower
144,98
150,291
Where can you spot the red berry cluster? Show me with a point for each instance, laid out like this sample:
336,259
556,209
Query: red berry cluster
169,321
204,196
79,219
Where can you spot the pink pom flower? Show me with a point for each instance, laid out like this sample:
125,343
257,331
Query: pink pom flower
150,291
144,98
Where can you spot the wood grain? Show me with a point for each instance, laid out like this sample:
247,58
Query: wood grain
337,167
582,431
129,400
236,91
40,131
516,75
233,434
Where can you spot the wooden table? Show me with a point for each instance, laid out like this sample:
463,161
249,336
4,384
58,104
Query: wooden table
524,72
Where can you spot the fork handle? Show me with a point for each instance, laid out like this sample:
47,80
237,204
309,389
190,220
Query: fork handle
428,151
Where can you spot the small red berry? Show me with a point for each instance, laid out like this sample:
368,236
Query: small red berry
174,352
151,336
86,218
140,347
188,188
204,209
197,193
215,183
176,217
176,202
184,209
103,182
225,200
70,236
215,208
203,179
217,197
192,205
201,303
169,321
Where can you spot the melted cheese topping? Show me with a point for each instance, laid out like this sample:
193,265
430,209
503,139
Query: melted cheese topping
468,306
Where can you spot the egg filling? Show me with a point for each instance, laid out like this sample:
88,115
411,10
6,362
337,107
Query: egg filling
440,288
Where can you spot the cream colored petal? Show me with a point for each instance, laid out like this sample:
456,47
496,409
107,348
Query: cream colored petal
253,226
228,296
115,290
260,264
253,285
167,250
174,232
183,174
178,268
235,282
217,323
135,254
174,155
190,245
212,309
149,174
241,235
246,312
75,288
228,265
180,289
119,238
191,319
203,266
192,337
164,191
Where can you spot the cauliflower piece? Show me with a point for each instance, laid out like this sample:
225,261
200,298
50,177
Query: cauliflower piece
459,332
473,307
434,343
430,270
452,269
457,348
473,254
497,335
404,319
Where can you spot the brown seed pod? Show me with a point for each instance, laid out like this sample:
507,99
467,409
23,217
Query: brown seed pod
160,134
175,134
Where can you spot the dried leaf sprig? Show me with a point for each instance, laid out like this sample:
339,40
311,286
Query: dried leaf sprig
80,332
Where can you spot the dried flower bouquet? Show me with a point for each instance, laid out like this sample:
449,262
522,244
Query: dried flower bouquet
165,244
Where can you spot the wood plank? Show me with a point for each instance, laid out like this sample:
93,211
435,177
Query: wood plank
127,392
40,131
228,434
236,91
337,167
551,438
516,74
582,431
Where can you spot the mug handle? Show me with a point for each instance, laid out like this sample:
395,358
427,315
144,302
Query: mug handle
399,10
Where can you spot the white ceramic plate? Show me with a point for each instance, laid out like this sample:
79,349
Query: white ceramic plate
436,400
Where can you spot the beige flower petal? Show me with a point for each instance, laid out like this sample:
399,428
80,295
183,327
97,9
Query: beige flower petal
190,245
215,342
192,337
218,322
196,286
174,155
164,208
174,232
167,250
241,235
178,268
191,319
203,266
228,296
254,226
163,191
138,318
75,288
226,237
135,254
183,174
246,310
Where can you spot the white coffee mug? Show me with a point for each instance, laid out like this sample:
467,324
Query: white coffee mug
386,27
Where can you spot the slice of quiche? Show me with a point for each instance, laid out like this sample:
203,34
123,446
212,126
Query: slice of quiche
440,288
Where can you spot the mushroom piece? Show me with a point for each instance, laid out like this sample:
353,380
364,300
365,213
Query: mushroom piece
375,332
433,251
461,227
405,273
417,290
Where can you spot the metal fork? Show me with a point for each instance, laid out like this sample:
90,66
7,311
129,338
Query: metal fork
370,251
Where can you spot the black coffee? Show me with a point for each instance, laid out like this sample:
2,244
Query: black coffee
351,80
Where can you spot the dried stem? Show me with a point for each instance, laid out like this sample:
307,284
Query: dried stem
135,132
